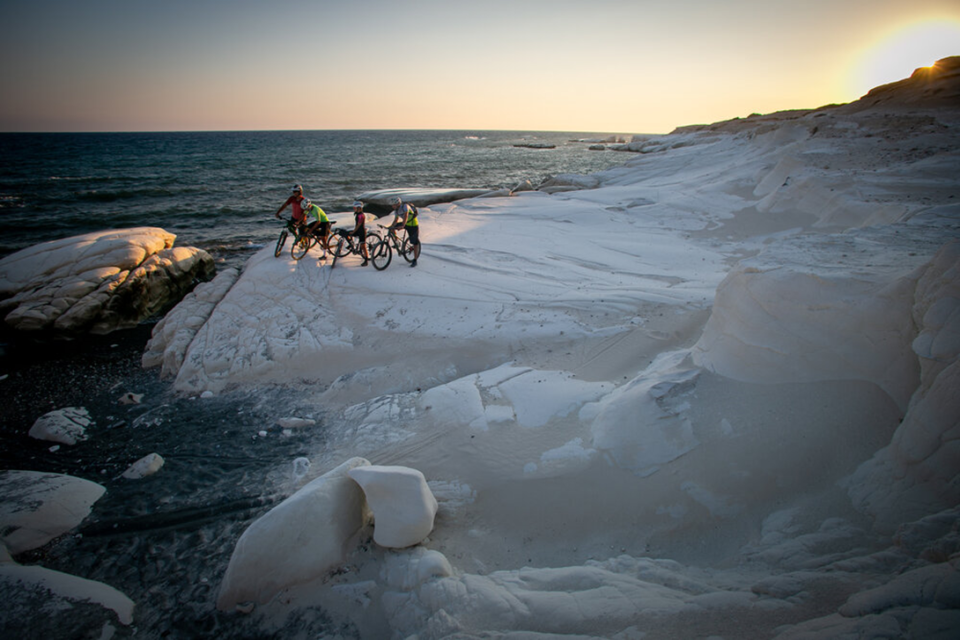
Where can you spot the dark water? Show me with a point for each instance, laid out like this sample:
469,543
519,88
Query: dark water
219,190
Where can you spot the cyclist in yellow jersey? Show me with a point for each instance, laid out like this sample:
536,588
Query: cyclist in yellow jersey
316,220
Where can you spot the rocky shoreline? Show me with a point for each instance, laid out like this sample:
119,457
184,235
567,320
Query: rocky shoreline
43,375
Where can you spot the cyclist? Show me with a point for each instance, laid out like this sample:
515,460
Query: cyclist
295,201
405,216
318,225
360,231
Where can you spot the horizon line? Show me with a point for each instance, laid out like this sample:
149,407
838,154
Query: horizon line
122,131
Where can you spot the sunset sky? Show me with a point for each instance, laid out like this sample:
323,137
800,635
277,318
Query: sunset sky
618,66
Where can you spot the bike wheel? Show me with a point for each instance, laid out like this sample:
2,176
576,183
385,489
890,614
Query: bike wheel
339,250
301,246
332,240
371,242
409,251
280,242
381,255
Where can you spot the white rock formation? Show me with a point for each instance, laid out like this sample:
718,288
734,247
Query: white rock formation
917,473
776,320
403,506
299,540
419,197
37,507
173,334
67,426
97,282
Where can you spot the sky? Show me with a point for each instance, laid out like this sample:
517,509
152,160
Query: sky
615,66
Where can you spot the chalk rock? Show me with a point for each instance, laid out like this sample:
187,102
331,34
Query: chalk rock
296,423
37,507
917,474
569,181
641,424
402,504
130,398
789,321
67,426
28,590
174,333
145,466
419,197
526,185
299,540
97,282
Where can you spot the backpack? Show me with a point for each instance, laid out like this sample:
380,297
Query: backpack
413,210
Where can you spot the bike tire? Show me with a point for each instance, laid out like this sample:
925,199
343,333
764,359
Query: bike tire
301,246
371,242
332,239
342,247
282,240
381,255
408,251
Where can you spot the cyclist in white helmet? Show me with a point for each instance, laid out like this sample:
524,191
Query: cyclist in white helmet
318,225
405,217
360,231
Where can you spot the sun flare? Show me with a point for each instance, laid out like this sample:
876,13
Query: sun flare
897,54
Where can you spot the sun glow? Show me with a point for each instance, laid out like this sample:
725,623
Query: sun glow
897,54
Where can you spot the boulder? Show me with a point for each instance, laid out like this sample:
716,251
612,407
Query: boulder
419,197
402,504
98,282
37,507
29,590
299,540
66,426
145,466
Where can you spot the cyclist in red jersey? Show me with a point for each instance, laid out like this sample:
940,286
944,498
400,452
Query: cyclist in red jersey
295,201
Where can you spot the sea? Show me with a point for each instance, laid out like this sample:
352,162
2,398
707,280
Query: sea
165,541
219,190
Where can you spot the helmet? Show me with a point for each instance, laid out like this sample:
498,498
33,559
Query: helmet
297,188
358,204
306,204
395,200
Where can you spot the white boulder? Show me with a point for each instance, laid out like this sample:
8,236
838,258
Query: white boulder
97,282
67,426
419,197
402,504
299,540
27,590
145,466
37,507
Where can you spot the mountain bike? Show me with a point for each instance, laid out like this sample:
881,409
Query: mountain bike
344,243
303,243
402,244
292,228
303,240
